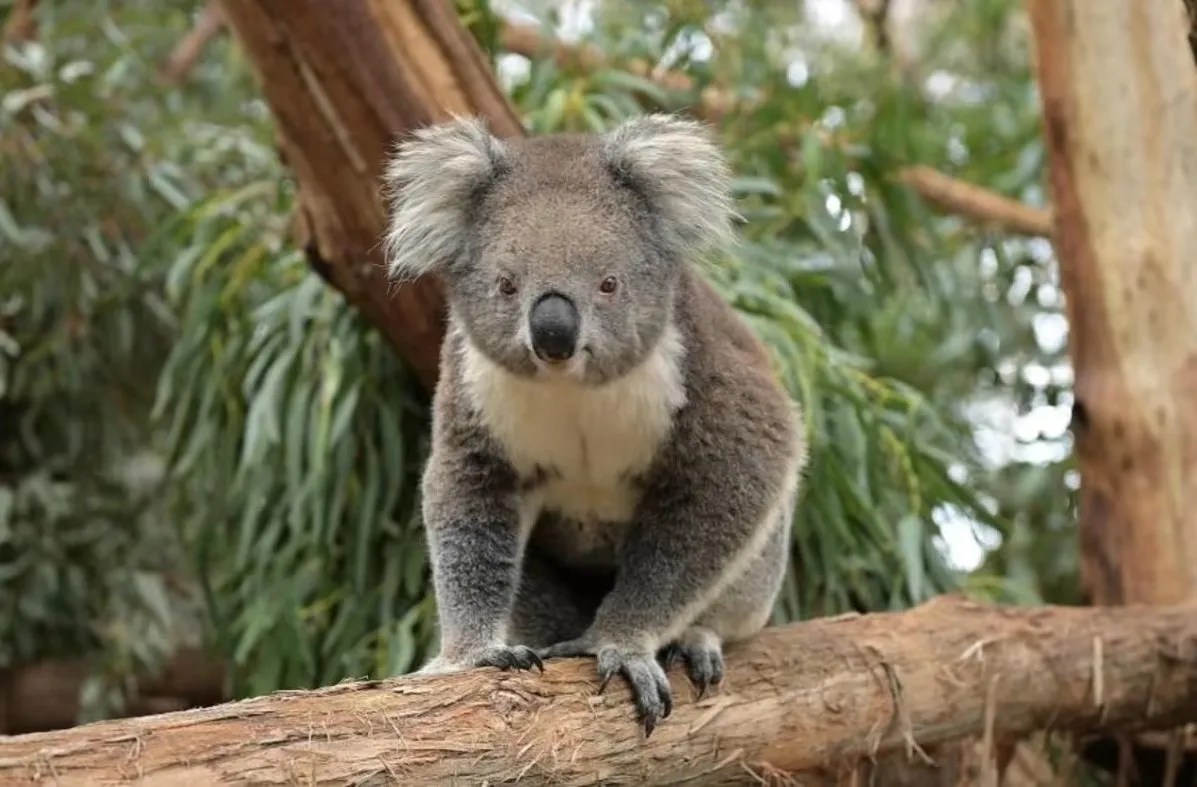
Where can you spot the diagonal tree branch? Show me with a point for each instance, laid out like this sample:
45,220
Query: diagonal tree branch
978,204
190,47
344,83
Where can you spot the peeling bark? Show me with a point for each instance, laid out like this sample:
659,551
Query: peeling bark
1119,97
809,701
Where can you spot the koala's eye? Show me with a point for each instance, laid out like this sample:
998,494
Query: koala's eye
506,285
608,286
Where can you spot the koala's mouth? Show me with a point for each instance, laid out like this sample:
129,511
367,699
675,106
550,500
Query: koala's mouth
572,368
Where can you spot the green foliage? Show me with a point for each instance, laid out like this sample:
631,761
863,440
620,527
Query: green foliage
296,463
157,315
87,560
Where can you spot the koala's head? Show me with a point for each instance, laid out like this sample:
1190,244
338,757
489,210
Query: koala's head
561,254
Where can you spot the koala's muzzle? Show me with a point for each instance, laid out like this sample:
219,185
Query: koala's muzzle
553,324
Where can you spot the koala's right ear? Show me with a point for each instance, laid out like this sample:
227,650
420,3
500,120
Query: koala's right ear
430,183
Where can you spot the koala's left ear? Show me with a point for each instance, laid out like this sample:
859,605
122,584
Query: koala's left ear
677,166
431,181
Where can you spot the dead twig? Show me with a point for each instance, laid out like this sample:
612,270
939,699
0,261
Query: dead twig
191,47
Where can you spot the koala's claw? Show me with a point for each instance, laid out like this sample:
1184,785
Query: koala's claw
703,658
514,657
650,687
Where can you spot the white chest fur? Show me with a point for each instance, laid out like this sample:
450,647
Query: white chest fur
589,442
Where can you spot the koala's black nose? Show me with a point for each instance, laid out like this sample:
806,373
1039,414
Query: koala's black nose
554,327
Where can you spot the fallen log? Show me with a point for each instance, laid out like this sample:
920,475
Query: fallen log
809,701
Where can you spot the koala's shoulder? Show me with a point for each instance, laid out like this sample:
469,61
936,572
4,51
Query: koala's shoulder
722,344
734,389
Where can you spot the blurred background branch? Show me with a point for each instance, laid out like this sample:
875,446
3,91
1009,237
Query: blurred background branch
977,204
191,47
21,24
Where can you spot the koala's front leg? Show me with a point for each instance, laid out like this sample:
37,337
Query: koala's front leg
473,532
704,516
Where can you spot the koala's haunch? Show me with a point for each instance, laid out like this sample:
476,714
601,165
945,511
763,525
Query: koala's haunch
614,465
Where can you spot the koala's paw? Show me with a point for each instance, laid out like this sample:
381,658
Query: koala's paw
650,687
702,653
510,657
516,656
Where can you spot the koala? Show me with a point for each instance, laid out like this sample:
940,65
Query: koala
614,465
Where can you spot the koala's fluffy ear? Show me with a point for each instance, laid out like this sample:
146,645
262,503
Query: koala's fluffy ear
677,166
430,182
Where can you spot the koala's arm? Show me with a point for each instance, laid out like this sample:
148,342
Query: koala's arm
473,531
733,461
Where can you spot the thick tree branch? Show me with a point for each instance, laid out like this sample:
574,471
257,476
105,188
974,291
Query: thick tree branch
807,700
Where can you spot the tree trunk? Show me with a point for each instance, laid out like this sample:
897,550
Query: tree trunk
809,700
344,80
1119,97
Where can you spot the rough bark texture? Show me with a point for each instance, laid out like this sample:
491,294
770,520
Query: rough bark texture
344,80
1119,99
807,700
